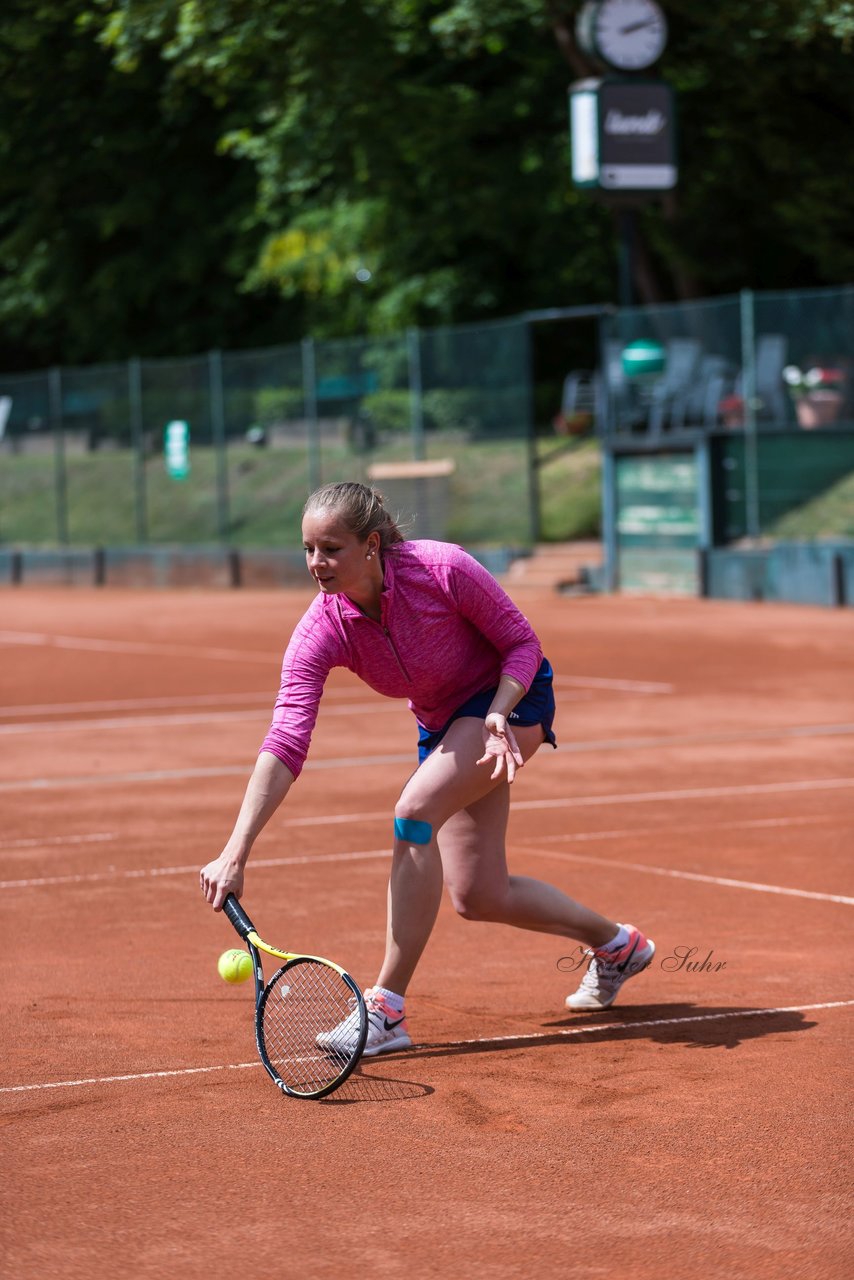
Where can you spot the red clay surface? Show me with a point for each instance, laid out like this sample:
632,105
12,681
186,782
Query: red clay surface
698,1128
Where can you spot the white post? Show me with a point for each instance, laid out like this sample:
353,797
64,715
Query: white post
751,449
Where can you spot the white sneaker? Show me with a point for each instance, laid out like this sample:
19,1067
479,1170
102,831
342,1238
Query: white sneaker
607,971
387,1029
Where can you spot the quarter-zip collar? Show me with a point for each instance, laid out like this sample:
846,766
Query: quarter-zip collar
350,610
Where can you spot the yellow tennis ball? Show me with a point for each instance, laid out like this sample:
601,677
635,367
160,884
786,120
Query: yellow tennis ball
235,965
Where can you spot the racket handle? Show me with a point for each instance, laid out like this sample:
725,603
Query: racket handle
238,916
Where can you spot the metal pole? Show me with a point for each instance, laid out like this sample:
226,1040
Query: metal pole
309,396
54,384
534,504
218,433
606,410
603,406
705,531
610,514
751,450
138,444
626,223
416,396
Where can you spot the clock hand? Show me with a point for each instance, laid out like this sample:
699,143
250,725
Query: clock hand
638,26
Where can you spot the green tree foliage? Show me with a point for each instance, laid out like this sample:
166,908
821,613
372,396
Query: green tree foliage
766,97
412,164
185,173
122,228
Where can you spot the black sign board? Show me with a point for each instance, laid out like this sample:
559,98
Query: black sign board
623,135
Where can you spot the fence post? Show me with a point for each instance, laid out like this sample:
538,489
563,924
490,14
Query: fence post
138,445
606,419
751,447
610,515
416,396
535,522
54,384
309,398
235,568
218,434
839,595
705,522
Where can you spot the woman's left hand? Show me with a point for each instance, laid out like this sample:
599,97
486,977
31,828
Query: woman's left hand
500,747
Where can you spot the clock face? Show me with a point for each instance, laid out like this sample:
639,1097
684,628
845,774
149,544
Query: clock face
629,34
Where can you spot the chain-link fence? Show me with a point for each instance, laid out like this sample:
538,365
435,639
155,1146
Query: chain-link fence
766,382
223,448
86,459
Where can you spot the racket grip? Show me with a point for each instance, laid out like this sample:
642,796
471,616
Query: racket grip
238,916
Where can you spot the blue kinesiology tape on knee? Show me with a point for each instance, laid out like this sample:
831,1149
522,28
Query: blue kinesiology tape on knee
413,831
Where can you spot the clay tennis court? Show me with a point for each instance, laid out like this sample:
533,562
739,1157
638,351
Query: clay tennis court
703,790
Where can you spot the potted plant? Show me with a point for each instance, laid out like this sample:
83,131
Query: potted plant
731,411
817,394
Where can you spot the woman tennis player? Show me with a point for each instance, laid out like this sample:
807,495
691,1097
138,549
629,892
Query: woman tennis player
425,621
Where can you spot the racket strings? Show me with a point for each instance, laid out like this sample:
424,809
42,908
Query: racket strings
311,1024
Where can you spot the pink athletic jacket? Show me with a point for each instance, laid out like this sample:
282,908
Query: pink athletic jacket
448,631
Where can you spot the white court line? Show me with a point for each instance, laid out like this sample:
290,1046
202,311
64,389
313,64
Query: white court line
363,761
382,815
147,873
144,1075
331,820
702,739
690,793
389,706
330,707
151,704
537,850
93,644
149,649
134,704
211,771
722,881
339,819
39,842
568,802
582,802
622,686
187,718
806,820
133,722
621,1026
423,1049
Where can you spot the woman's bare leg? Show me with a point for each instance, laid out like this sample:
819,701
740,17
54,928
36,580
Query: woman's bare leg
468,813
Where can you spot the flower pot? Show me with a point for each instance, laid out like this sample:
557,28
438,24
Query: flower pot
818,408
731,411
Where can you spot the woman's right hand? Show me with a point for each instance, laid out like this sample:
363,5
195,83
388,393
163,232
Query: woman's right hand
220,878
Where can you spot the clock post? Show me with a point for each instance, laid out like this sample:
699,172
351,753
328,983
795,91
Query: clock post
623,123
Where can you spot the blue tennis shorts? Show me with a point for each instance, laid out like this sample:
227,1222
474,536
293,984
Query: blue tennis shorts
537,707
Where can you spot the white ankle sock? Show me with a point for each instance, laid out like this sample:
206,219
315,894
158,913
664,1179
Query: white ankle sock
619,940
393,998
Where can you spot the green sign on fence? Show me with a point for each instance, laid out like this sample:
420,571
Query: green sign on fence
176,445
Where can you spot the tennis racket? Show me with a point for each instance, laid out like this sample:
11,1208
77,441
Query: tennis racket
310,1018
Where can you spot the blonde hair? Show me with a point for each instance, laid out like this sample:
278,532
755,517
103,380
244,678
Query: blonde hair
360,508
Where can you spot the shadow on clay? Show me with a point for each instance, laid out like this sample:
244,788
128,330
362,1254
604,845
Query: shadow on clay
692,1026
